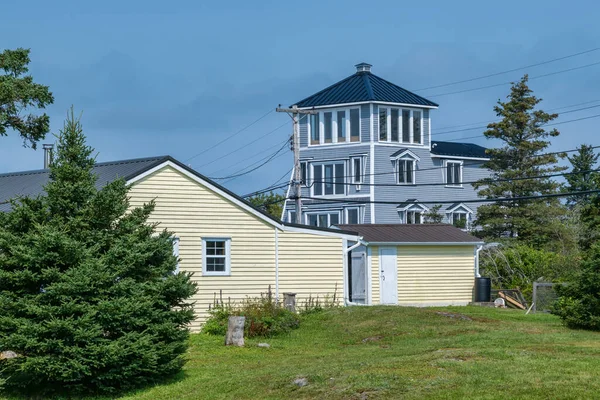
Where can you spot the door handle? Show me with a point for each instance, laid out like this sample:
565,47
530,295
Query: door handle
383,278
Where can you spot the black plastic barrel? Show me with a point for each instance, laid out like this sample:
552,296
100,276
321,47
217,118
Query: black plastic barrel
483,289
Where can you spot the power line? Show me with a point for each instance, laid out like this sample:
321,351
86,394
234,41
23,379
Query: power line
230,137
273,186
551,124
510,70
498,120
509,83
500,199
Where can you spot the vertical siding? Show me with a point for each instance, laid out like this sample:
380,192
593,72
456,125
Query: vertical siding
375,299
429,275
311,265
192,212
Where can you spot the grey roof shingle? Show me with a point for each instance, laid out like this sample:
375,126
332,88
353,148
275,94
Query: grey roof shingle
458,149
407,233
363,86
31,183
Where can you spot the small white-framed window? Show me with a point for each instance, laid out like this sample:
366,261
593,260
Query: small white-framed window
356,167
453,173
292,216
460,219
329,179
304,173
417,127
353,215
314,127
414,217
405,171
413,214
176,253
216,256
323,219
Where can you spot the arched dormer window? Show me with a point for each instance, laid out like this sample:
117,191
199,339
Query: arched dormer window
459,215
412,212
405,165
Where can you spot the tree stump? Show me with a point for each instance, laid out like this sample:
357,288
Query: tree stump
235,331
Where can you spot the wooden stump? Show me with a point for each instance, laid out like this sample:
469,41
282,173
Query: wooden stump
235,331
289,301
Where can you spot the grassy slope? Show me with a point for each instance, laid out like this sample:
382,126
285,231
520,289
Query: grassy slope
408,353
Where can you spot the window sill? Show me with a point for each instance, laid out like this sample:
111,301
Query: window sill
455,186
204,273
406,184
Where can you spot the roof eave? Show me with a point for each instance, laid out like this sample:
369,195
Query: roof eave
321,106
424,243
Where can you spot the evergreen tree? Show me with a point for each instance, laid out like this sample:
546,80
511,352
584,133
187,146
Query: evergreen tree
271,203
88,294
433,216
18,93
522,155
583,176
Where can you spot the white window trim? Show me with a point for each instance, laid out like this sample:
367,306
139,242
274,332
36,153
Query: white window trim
468,217
328,212
353,172
334,125
312,174
414,207
445,172
227,271
359,213
414,170
400,125
306,168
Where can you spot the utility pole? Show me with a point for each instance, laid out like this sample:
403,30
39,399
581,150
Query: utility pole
297,182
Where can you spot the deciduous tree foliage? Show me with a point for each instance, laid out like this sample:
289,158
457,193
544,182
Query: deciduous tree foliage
522,154
271,203
89,298
19,95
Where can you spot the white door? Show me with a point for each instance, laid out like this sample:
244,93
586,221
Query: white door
388,275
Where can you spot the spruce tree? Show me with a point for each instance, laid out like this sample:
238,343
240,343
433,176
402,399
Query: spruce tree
583,176
524,142
89,298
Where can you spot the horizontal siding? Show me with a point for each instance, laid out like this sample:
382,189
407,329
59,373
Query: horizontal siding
375,298
435,274
193,212
311,265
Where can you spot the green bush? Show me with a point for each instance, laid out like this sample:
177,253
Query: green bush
579,302
264,317
518,266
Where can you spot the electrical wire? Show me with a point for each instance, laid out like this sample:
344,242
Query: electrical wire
268,159
510,70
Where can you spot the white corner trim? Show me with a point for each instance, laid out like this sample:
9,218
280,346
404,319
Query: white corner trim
369,276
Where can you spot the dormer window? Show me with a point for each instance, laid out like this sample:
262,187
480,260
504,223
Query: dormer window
405,165
400,125
412,213
459,215
335,126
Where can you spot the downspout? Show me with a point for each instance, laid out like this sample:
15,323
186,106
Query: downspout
347,250
477,250
276,264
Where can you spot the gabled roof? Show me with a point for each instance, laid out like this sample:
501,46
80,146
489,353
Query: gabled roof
364,86
31,183
401,152
469,150
408,233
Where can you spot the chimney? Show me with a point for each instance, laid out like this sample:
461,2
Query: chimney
363,67
47,155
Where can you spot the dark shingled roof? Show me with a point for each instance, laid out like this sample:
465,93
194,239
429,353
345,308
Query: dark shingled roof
364,86
408,233
31,183
458,149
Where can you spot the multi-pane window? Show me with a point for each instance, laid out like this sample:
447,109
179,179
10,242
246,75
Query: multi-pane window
400,126
353,216
328,179
355,125
413,217
416,117
323,219
383,125
460,219
335,126
357,170
216,256
341,126
314,129
453,173
327,122
406,171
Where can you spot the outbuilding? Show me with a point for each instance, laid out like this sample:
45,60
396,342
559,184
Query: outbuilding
412,265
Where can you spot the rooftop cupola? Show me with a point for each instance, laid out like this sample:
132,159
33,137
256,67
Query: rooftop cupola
363,67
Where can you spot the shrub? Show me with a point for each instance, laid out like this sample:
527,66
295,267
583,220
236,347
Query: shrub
264,316
579,302
313,305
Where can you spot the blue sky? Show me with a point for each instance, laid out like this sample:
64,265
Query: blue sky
156,77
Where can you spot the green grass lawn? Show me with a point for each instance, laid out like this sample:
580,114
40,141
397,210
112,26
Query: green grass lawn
397,352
